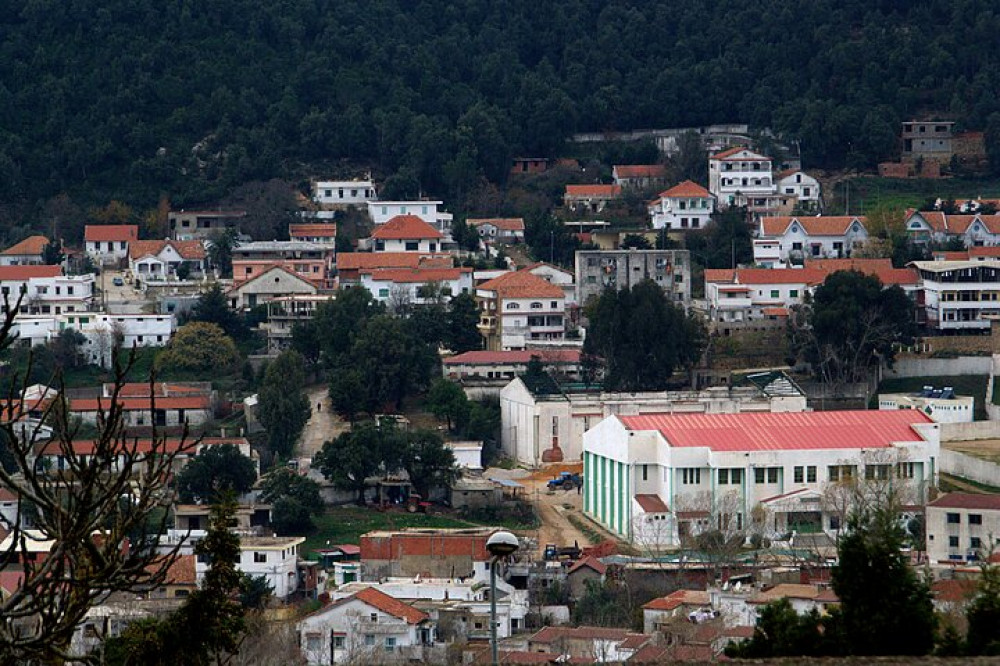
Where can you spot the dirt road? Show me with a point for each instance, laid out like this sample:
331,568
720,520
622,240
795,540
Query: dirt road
322,426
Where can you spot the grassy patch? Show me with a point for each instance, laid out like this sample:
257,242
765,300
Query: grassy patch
974,385
869,192
949,483
347,524
586,528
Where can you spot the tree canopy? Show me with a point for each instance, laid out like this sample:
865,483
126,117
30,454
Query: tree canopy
215,471
283,406
641,337
200,347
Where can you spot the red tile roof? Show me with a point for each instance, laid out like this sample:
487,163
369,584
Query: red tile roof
590,562
593,191
553,634
688,188
504,223
783,431
639,171
180,572
416,275
406,227
111,232
821,225
28,272
954,591
312,230
967,501
677,599
130,404
352,261
391,605
719,274
189,249
651,503
32,245
776,312
984,251
144,389
727,154
522,284
484,357
86,447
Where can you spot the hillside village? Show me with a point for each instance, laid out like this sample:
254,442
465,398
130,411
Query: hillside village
682,393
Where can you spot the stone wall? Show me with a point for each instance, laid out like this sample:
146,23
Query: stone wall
919,366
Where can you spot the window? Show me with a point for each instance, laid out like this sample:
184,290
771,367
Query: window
536,306
313,642
840,472
954,519
383,293
953,542
975,519
905,470
811,473
876,472
799,474
373,617
369,639
774,293
554,304
797,246
975,542
645,472
793,293
513,306
723,477
690,476
412,246
259,558
390,643
730,476
759,474
338,642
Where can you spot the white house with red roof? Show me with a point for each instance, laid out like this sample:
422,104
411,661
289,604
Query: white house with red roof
590,198
516,309
400,287
684,206
108,243
274,281
819,237
26,253
801,189
974,230
427,210
161,260
406,233
639,176
961,527
499,229
367,627
661,477
44,290
741,177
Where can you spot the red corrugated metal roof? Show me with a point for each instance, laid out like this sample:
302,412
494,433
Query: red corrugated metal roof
783,431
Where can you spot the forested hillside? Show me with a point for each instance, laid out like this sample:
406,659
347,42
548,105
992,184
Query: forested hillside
131,98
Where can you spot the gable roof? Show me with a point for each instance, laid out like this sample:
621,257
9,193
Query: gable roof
416,275
967,501
599,191
382,601
767,431
406,227
733,152
270,271
522,284
677,599
111,232
32,245
792,591
504,223
352,261
29,272
639,171
591,563
820,225
688,188
187,249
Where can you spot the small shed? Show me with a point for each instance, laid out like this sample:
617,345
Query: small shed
474,493
586,569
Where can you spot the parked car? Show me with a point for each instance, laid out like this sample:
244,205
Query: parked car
117,281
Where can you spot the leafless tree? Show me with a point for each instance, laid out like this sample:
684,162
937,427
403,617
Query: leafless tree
85,513
399,299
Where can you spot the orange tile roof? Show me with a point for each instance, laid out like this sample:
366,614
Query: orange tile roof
984,251
880,268
406,227
522,284
822,225
391,605
180,572
954,591
280,266
776,312
28,272
605,191
416,275
726,154
719,274
639,170
187,249
169,402
86,447
780,276
553,634
32,245
688,188
677,599
352,261
505,223
590,562
327,229
111,232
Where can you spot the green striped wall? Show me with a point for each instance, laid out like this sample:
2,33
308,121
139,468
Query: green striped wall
607,492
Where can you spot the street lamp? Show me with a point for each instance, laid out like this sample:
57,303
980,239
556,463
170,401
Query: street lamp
499,545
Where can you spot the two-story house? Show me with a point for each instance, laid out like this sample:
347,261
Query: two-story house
800,189
400,287
499,229
202,224
429,211
590,198
108,243
962,527
344,193
407,233
44,290
820,237
686,205
518,308
311,261
742,177
26,253
974,230
157,261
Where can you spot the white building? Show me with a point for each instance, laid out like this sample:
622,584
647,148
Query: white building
499,229
26,253
961,527
942,405
367,627
274,282
639,176
407,233
741,177
654,479
108,243
504,366
687,205
820,237
44,290
273,558
429,211
533,424
974,230
99,329
324,233
590,198
801,188
400,287
740,606
960,295
517,308
343,193
158,261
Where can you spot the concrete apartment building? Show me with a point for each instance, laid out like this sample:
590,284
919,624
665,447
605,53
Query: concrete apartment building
961,527
597,270
927,139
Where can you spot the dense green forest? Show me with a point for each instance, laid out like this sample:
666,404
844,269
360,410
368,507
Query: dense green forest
129,99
